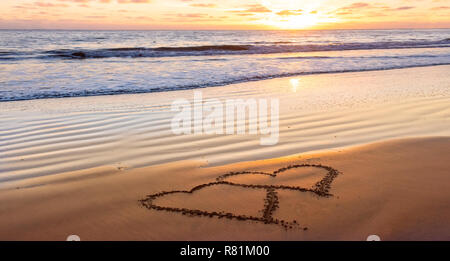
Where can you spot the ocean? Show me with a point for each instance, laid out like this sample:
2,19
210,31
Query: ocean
36,64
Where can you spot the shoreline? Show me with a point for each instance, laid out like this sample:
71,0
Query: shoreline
318,112
257,79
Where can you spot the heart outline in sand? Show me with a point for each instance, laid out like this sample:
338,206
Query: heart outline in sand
321,189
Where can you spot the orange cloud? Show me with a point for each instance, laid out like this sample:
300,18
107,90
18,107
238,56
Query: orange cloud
356,6
440,8
108,1
204,5
290,12
403,8
257,9
41,4
133,1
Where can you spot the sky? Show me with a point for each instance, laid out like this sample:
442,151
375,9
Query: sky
229,14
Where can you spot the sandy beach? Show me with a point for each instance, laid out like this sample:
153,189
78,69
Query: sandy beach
359,153
396,189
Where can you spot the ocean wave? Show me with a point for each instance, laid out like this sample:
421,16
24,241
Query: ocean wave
135,52
204,48
276,42
101,92
208,50
363,57
9,55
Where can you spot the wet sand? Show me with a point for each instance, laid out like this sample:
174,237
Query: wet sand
317,113
398,189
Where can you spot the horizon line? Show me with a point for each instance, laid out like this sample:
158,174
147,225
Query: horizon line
325,29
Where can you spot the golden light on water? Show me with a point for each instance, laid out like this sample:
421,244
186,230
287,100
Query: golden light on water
294,83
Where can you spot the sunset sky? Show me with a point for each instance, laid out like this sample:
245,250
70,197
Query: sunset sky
229,14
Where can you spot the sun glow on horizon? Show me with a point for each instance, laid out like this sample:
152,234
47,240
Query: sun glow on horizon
289,14
303,21
232,14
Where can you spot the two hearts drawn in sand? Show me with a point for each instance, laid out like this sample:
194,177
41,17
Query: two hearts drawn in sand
321,189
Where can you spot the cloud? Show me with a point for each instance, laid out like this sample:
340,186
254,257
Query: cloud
133,1
77,1
344,13
403,8
440,8
350,9
42,4
251,10
257,9
108,1
356,6
95,16
195,15
290,12
24,7
372,10
393,9
141,18
204,5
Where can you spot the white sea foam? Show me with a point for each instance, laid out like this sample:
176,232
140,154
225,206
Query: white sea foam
57,64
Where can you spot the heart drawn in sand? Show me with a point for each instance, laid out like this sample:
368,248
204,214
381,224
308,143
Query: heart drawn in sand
320,188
